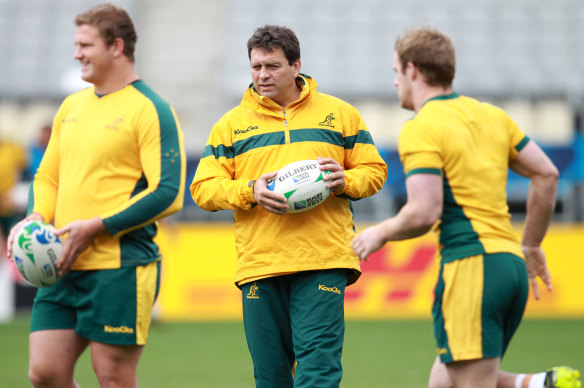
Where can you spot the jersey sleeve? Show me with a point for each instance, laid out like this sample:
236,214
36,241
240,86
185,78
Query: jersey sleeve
162,156
518,139
420,149
365,170
43,194
213,186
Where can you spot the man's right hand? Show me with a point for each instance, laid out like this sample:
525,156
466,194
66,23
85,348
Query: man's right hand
15,228
272,202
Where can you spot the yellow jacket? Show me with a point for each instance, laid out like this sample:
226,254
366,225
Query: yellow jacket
259,136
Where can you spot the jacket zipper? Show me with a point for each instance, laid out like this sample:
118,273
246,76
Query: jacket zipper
286,133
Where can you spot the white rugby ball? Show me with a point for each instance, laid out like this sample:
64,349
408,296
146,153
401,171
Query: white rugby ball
35,251
302,184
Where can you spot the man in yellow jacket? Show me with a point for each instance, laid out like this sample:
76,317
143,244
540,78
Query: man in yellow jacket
292,268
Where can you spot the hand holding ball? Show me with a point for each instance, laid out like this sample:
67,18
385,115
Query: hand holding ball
36,250
302,184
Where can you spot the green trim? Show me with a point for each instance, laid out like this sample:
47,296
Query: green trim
457,236
258,141
438,317
138,247
433,171
218,152
318,135
522,143
170,171
30,202
450,96
278,138
362,137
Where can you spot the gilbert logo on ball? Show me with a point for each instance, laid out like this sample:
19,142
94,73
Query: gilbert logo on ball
302,184
35,250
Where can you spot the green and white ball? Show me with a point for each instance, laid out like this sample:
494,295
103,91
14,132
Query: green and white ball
36,250
302,184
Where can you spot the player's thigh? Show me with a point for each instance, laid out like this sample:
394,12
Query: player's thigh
474,373
439,377
53,353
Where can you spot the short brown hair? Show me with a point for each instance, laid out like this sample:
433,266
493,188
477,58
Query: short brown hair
431,52
112,22
268,37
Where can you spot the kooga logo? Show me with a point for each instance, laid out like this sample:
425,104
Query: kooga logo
242,131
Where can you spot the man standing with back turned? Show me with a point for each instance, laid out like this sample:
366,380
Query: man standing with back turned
114,165
292,268
456,154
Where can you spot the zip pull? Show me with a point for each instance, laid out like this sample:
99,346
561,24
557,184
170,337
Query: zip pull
285,120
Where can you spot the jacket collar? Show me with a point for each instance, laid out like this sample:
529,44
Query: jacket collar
252,100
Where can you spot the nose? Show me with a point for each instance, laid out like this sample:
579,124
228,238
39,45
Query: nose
264,73
77,54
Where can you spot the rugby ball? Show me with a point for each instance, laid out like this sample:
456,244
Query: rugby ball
35,251
302,184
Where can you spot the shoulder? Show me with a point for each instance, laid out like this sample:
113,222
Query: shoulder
149,94
235,114
323,98
79,95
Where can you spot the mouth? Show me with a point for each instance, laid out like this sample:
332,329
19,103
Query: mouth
266,86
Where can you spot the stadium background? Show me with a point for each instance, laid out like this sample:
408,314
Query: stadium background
526,56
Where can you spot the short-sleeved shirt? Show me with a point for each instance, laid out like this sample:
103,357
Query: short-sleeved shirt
470,144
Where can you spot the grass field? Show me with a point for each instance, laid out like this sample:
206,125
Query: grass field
376,353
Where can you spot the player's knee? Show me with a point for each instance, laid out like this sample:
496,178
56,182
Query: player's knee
44,377
115,377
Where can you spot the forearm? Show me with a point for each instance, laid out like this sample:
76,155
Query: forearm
220,193
408,223
541,201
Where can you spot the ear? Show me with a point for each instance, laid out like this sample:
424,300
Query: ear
118,47
297,65
411,71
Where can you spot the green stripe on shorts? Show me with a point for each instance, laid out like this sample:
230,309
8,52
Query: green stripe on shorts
476,313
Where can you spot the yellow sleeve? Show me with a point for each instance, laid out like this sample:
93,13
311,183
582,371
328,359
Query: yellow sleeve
213,186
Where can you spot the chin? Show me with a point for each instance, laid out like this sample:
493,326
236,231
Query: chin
406,105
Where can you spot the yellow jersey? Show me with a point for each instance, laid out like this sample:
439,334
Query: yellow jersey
470,144
119,156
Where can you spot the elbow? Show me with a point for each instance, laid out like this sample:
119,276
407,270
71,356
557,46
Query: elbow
554,175
424,219
548,177
425,223
199,199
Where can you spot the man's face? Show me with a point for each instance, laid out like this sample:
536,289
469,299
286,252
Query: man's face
273,76
92,53
402,83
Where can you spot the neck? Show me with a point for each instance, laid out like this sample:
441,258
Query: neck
429,92
117,78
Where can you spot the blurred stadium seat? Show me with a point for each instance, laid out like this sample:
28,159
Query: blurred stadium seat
527,53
